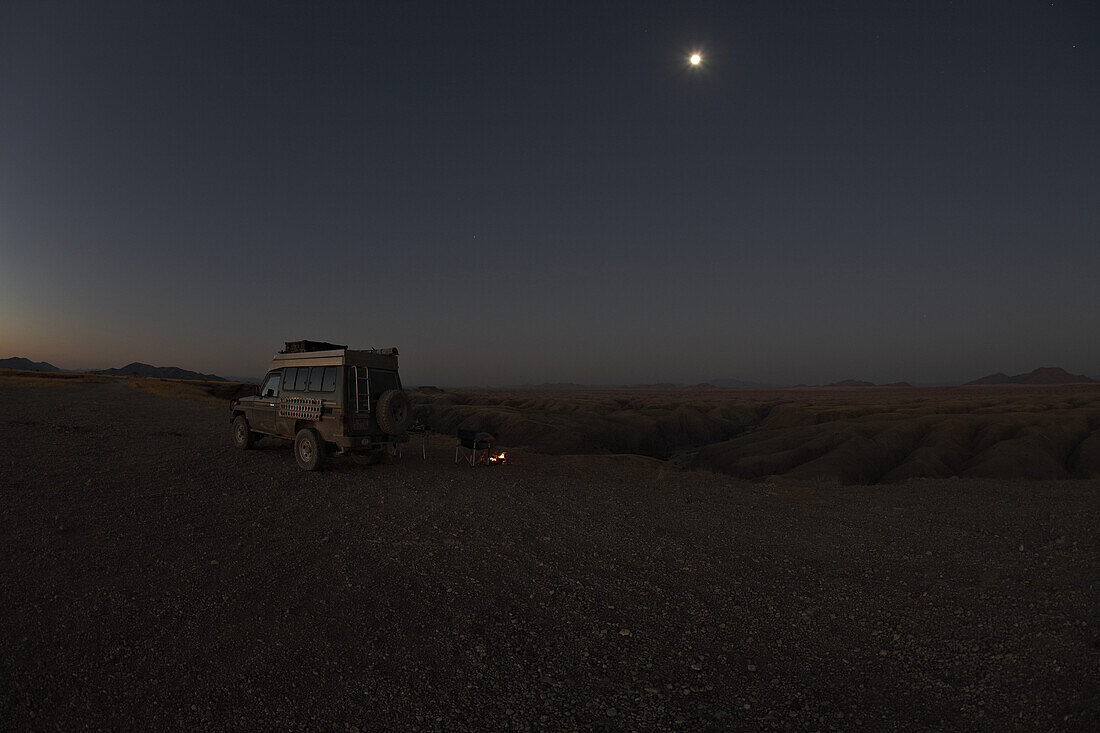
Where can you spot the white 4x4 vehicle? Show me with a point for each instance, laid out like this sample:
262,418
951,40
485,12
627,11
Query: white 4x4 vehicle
326,398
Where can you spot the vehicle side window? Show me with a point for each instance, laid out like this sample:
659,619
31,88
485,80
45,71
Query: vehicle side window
301,379
316,376
271,386
328,383
288,377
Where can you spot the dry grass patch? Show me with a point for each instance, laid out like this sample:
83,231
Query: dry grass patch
26,378
191,389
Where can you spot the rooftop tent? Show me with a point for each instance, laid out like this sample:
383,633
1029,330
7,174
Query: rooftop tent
300,347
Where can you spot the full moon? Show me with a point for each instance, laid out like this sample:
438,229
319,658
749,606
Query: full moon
695,59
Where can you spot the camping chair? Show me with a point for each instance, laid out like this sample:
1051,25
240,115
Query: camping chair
419,428
470,444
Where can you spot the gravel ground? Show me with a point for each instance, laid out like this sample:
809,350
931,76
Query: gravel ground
155,577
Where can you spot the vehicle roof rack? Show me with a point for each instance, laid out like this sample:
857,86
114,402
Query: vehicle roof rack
300,347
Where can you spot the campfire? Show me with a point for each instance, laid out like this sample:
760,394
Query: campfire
502,458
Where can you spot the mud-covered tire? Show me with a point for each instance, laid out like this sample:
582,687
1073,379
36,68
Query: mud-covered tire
243,437
393,412
309,450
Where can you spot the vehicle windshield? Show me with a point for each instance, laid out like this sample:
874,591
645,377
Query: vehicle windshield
271,386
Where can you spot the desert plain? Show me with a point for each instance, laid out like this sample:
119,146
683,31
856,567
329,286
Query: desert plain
829,559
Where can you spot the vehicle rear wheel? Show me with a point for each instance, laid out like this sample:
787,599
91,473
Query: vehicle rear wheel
243,437
309,450
393,412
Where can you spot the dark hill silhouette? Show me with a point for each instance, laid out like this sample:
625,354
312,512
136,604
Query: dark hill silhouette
18,362
1042,375
556,386
574,387
848,435
137,369
861,383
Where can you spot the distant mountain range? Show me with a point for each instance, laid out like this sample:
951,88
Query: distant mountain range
1042,375
853,383
741,384
573,386
556,386
859,383
137,369
252,380
18,362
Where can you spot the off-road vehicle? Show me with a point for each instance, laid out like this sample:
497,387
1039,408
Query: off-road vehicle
326,398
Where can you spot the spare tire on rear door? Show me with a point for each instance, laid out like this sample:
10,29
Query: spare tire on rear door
393,411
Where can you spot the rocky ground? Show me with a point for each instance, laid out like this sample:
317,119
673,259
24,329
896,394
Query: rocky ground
155,577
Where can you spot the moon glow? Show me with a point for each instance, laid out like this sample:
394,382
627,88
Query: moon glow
695,59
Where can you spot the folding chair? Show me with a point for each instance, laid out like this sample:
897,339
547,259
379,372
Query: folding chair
470,444
419,428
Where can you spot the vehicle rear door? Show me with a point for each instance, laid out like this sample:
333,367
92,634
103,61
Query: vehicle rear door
358,400
382,380
373,382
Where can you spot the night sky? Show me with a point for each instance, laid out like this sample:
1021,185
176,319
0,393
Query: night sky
525,192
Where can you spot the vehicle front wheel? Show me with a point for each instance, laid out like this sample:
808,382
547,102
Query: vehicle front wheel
243,437
309,450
